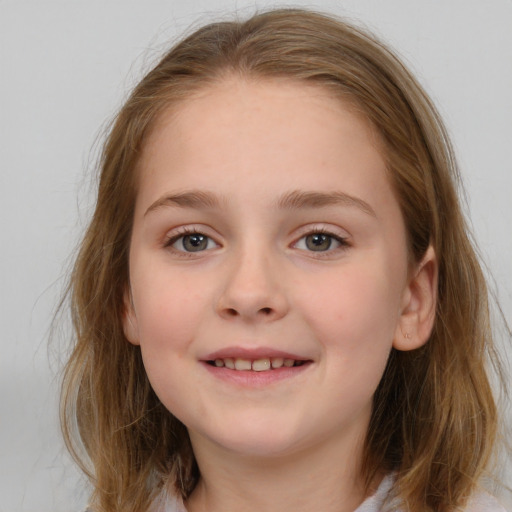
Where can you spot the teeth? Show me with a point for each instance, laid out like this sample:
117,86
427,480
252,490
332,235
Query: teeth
242,364
277,362
258,365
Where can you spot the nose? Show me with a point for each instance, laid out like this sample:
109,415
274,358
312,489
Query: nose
254,290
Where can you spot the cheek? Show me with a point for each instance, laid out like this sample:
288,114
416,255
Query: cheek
353,317
168,311
355,310
168,317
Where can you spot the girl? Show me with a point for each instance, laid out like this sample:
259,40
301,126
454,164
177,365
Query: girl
276,305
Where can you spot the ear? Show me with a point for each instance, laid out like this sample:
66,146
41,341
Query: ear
418,308
130,325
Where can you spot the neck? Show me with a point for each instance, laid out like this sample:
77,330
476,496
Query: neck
322,477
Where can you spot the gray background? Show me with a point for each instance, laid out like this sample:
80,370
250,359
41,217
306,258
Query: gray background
65,67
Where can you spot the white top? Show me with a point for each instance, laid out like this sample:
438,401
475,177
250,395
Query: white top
482,502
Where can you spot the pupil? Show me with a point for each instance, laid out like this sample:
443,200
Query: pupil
318,242
195,242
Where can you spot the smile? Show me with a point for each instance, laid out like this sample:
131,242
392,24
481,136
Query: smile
255,365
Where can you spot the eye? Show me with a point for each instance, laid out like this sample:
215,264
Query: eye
191,242
320,242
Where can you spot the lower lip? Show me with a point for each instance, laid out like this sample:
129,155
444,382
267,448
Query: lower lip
250,378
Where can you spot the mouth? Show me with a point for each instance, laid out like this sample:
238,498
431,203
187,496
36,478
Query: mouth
255,367
263,364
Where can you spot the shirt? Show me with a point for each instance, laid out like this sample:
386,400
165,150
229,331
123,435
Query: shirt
481,502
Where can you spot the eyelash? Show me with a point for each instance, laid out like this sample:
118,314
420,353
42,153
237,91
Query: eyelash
182,233
320,230
187,231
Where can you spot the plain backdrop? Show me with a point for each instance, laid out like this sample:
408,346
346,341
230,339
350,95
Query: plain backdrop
65,67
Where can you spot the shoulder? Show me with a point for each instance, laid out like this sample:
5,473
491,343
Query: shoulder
168,503
484,502
481,501
174,506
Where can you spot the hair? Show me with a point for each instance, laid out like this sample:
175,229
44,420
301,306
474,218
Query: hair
434,418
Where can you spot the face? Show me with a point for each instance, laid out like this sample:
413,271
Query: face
268,267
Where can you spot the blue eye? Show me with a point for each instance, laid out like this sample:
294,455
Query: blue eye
192,242
319,242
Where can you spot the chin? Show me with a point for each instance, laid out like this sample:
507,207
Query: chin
254,439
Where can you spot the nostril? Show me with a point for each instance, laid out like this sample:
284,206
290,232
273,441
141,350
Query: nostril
266,311
232,312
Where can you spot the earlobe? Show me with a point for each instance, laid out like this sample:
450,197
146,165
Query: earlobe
419,305
130,326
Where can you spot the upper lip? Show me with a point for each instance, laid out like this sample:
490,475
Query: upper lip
252,354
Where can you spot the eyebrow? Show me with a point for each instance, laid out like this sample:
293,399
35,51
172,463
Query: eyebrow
294,200
297,199
192,199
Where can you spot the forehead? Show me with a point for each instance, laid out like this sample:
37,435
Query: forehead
281,132
235,98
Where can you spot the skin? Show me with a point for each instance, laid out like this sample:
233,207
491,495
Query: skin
293,444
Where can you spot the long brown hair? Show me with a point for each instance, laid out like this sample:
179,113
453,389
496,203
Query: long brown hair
434,417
